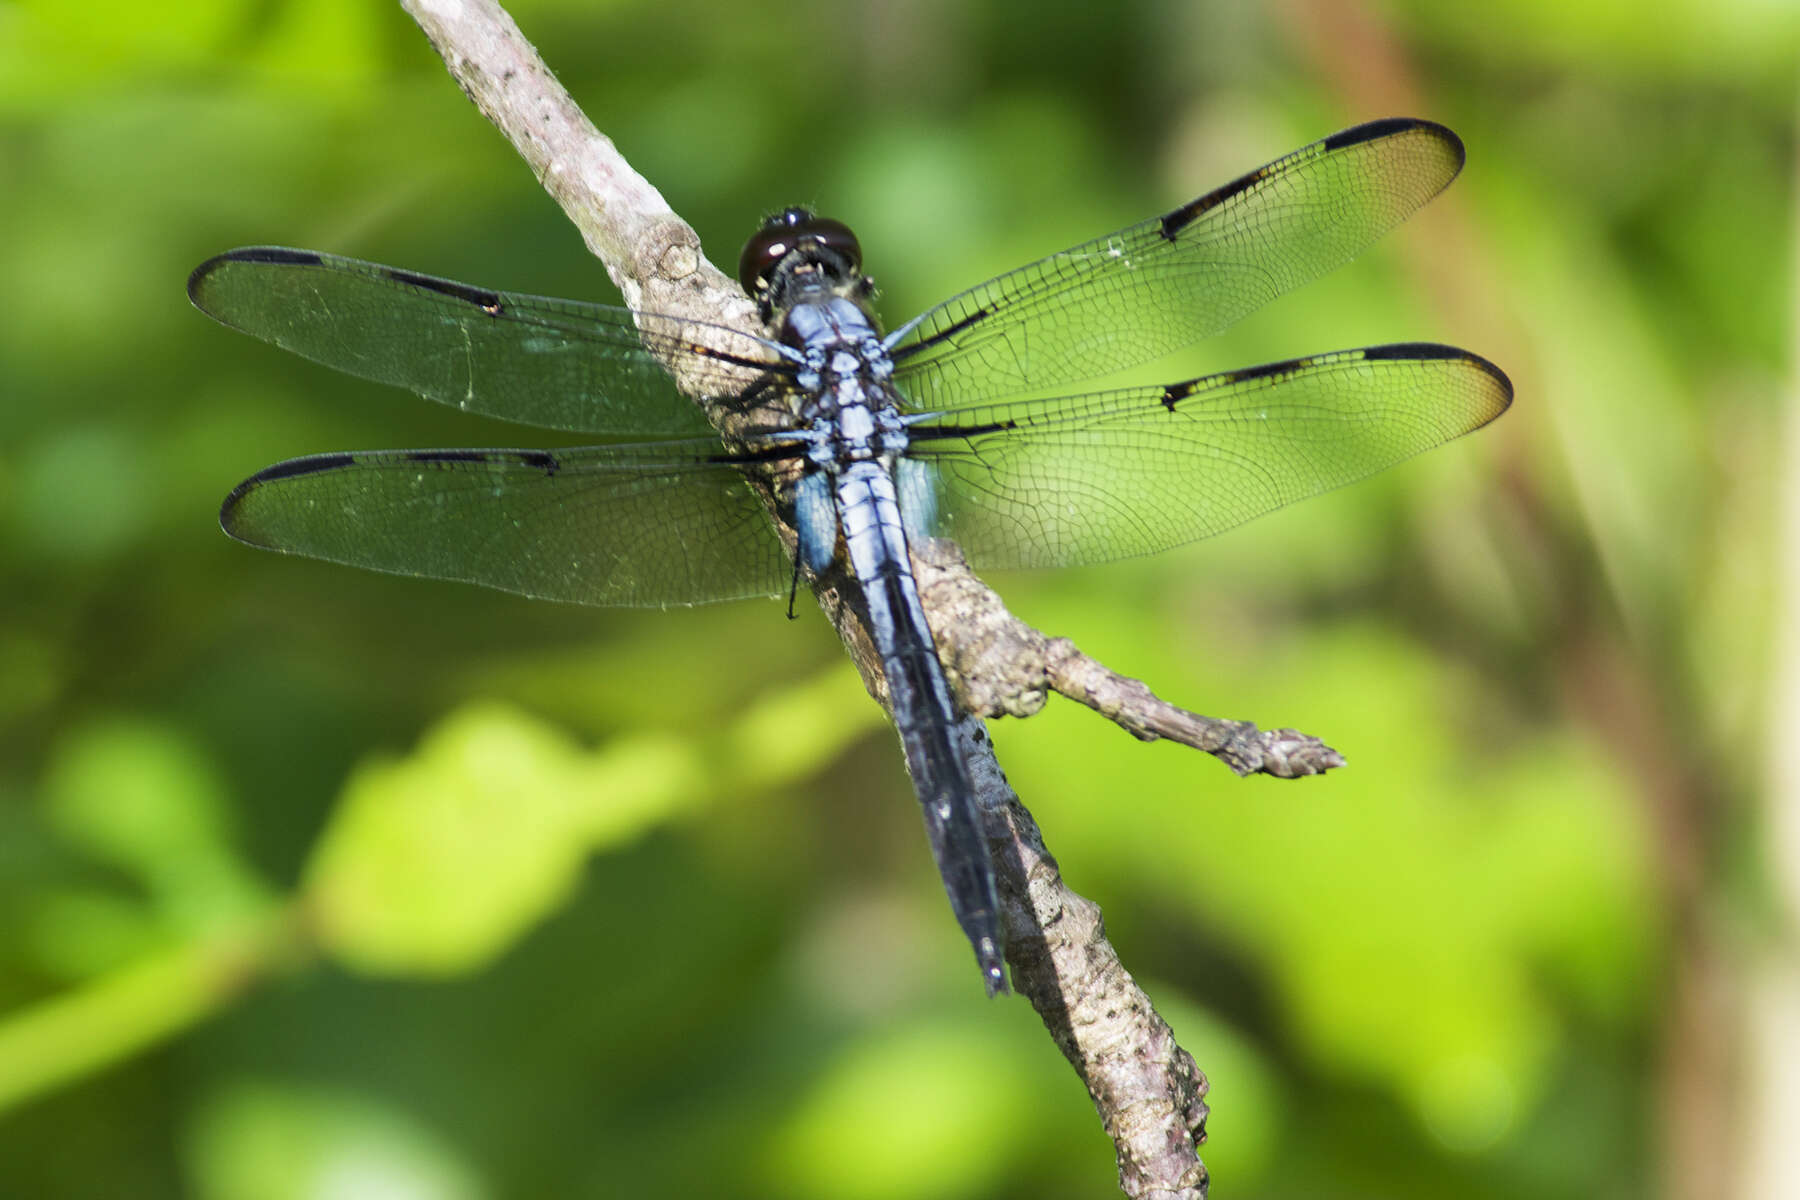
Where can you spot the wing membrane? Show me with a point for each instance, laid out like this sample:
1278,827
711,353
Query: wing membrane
1084,479
648,525
1137,294
558,364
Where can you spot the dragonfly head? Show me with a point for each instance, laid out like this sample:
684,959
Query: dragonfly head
798,244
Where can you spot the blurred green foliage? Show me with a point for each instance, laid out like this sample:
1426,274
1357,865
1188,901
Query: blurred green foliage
319,883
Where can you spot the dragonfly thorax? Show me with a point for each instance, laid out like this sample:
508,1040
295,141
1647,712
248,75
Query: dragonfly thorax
832,330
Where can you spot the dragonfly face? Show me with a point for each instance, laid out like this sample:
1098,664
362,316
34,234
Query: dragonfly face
938,428
793,242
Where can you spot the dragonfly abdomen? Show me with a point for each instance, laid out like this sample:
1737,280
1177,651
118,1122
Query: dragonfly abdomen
924,713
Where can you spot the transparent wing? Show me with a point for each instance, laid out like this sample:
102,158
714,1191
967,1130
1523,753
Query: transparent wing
559,364
648,525
1134,295
1084,479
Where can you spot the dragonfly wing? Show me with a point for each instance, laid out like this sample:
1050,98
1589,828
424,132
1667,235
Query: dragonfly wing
1085,479
650,525
1154,287
558,364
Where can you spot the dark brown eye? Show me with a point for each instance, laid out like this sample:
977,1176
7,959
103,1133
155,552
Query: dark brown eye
836,236
783,232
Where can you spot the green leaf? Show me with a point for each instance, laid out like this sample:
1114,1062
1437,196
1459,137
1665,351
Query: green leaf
436,863
138,796
932,1110
262,1141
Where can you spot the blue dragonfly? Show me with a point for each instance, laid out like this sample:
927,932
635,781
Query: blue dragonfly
858,440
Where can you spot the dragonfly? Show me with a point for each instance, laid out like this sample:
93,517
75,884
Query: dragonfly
953,425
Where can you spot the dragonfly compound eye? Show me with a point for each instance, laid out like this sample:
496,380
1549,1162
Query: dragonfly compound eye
786,232
836,237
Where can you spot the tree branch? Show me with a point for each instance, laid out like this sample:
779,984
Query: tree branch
1146,1088
1001,666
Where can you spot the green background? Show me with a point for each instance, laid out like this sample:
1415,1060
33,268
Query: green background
319,883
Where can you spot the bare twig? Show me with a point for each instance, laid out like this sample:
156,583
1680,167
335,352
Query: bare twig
1148,1091
1003,667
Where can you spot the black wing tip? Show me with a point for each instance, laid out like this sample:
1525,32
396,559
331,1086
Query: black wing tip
1177,219
273,255
311,464
317,464
228,522
284,256
290,468
1416,351
482,298
1383,127
1392,352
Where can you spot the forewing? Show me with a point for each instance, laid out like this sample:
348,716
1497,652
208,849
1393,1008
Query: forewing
1084,479
650,525
1134,295
558,364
